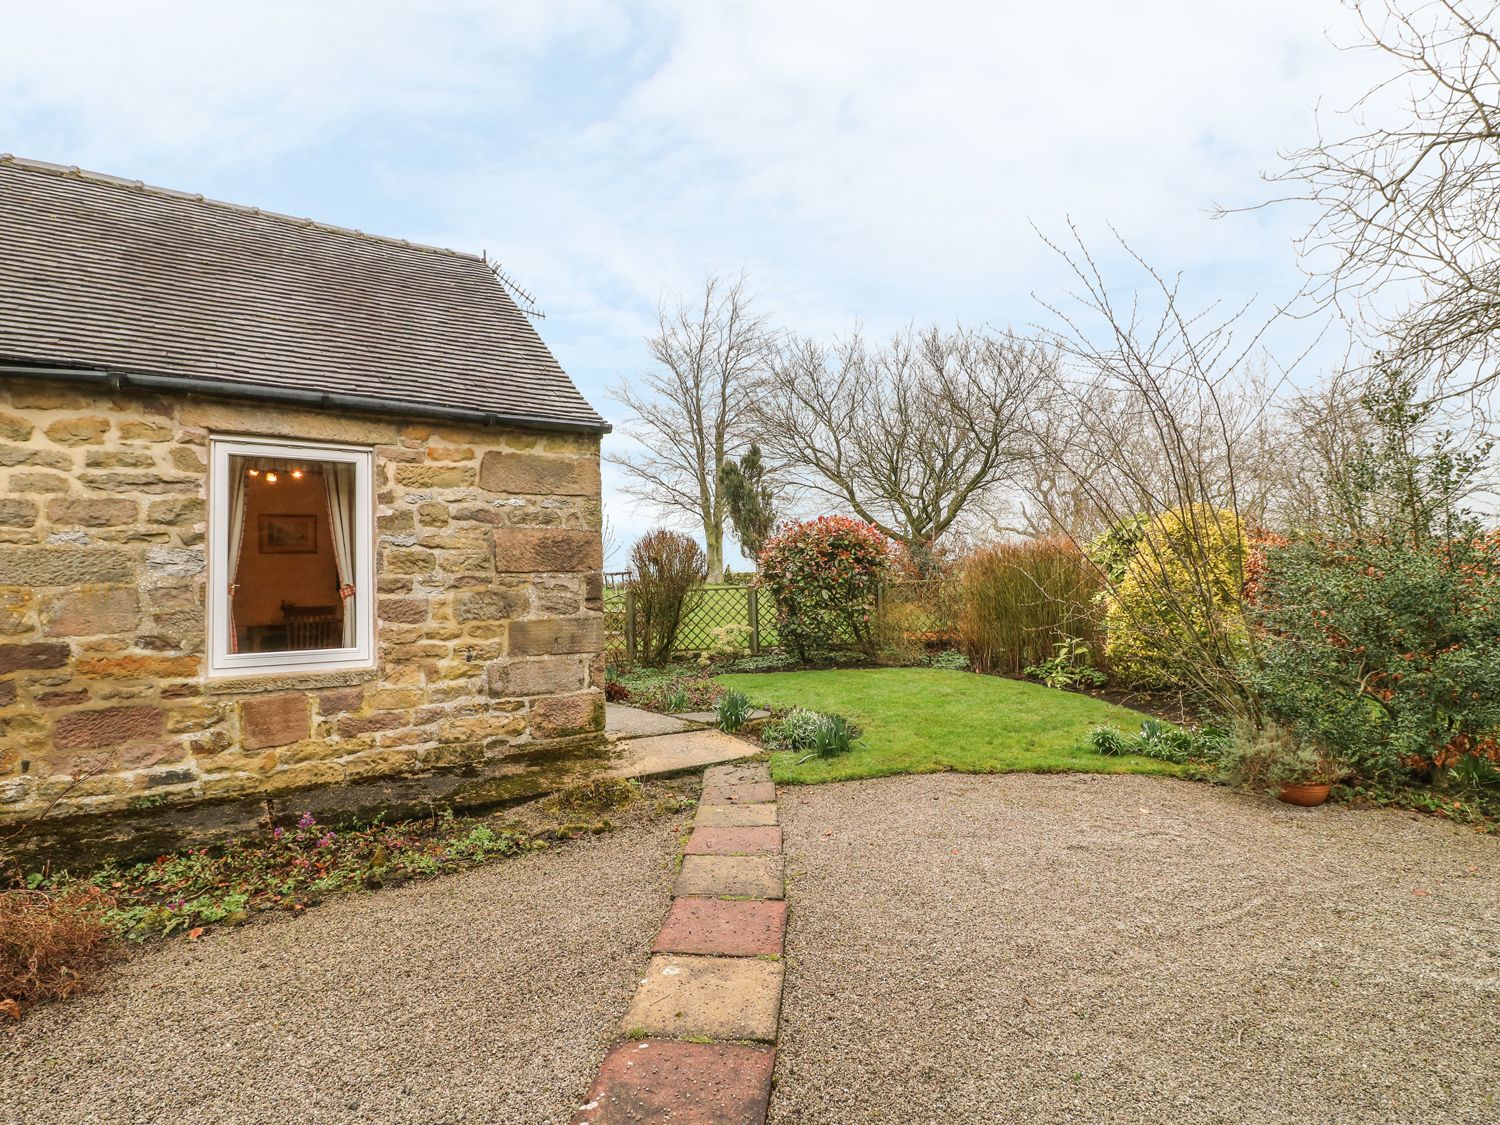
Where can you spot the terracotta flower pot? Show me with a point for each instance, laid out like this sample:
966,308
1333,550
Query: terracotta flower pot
1306,793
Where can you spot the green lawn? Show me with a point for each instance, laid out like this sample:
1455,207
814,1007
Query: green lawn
924,720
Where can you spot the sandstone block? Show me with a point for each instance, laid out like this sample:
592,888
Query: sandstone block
46,396
63,566
731,876
734,841
78,511
338,701
188,459
178,510
139,482
550,636
523,550
557,716
547,676
15,658
38,482
78,431
394,523
559,597
175,562
711,997
435,476
304,425
536,474
90,612
106,726
408,560
408,611
491,605
276,720
145,431
12,455
15,428
145,755
351,726
450,453
466,562
15,610
138,666
16,512
118,459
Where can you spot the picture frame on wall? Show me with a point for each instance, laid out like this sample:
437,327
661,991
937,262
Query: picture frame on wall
288,535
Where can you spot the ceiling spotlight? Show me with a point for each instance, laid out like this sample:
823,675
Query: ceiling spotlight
255,472
270,478
296,474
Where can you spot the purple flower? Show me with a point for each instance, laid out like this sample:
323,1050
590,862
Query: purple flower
324,840
276,832
306,820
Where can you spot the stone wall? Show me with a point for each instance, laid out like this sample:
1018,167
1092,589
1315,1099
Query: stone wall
489,614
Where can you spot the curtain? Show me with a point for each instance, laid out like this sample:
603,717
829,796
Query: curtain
236,540
338,479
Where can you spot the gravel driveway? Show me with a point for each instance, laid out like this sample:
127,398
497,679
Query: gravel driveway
1074,948
486,996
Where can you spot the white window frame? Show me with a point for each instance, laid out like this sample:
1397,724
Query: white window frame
221,661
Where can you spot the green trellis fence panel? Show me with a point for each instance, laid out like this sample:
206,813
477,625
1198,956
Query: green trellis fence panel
920,609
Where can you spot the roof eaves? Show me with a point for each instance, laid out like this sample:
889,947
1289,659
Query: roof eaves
119,378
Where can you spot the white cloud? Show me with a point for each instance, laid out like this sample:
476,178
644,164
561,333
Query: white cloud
868,160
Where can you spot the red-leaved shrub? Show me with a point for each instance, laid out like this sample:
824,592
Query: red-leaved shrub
824,574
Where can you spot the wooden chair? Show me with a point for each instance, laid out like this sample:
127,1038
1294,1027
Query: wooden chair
312,626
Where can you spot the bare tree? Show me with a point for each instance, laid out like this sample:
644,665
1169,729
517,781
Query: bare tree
690,412
1173,411
907,435
1321,431
1409,196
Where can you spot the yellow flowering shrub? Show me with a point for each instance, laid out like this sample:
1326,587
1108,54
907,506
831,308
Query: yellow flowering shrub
1178,605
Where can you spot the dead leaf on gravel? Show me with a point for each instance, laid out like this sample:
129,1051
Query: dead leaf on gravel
195,933
1420,893
11,1008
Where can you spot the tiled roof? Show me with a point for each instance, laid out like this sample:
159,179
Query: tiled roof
102,272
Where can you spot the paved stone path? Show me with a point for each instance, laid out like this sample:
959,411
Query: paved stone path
623,721
712,717
698,1043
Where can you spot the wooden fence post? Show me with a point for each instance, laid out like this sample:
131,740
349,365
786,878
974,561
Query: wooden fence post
752,607
630,624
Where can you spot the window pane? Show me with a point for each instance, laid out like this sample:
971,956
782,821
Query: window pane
286,593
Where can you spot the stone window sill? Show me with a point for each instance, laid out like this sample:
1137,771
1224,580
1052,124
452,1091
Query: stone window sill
290,681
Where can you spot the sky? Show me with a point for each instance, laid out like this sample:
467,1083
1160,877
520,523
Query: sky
871,162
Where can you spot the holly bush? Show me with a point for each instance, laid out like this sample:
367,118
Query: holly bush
824,575
1381,643
1386,652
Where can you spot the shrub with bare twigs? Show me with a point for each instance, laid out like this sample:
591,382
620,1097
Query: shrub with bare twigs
51,943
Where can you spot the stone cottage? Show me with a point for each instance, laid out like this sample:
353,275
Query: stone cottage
291,516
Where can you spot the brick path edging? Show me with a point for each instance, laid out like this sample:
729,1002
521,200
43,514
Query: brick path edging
698,1043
